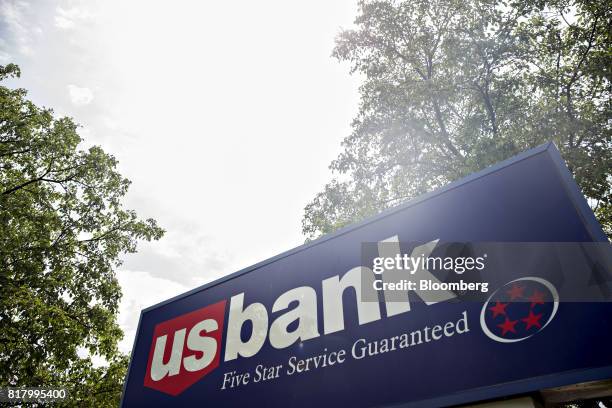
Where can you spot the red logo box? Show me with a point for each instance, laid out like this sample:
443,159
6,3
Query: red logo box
182,349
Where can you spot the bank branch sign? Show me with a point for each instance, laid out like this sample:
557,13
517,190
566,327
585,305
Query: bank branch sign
448,299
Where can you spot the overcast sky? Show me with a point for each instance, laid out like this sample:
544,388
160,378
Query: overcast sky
225,116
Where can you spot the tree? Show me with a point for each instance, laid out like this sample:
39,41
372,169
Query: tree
62,230
452,86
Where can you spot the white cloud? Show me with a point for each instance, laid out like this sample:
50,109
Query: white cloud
14,16
80,96
184,256
5,57
66,19
141,290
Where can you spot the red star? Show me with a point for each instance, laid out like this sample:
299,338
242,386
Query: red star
508,326
499,308
537,298
515,292
532,320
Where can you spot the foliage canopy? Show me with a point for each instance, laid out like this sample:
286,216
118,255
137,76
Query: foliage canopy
62,230
452,86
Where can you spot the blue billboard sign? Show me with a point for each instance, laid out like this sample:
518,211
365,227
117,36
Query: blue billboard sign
322,325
